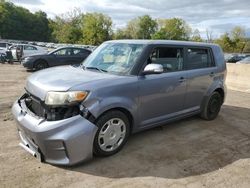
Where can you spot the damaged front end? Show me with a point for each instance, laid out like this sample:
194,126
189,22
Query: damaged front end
38,108
54,133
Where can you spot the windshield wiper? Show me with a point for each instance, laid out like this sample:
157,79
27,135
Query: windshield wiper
95,68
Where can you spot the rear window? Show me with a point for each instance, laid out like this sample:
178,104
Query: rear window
199,58
80,52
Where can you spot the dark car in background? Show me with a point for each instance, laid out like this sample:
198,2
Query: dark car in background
61,56
234,58
244,61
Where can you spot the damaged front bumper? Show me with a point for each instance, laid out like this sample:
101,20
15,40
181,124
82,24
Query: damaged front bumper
61,142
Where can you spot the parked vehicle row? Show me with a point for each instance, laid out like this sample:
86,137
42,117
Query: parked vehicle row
37,58
67,114
15,50
19,51
60,45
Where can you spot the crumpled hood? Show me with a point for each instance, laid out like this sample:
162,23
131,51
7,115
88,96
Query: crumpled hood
60,79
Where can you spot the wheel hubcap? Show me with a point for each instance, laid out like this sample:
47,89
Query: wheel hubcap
40,67
112,134
214,105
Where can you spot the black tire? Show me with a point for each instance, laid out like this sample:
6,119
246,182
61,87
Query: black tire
212,107
39,65
101,122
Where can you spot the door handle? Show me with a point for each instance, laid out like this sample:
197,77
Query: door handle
211,74
182,79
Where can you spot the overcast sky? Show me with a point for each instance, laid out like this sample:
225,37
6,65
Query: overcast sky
217,15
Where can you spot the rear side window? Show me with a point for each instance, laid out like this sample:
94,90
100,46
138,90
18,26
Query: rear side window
171,58
63,52
80,52
30,48
199,58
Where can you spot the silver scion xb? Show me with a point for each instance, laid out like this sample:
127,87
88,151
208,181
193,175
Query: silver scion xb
69,113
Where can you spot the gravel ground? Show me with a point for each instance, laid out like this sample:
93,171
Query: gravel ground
188,153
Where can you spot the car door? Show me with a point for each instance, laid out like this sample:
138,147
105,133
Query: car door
29,50
162,96
13,51
78,55
200,75
62,57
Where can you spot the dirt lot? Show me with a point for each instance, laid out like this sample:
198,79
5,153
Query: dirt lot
188,153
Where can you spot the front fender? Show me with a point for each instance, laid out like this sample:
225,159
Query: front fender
98,106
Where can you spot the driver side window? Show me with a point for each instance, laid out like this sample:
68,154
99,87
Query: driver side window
171,58
63,52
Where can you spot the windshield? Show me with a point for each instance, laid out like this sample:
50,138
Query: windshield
116,58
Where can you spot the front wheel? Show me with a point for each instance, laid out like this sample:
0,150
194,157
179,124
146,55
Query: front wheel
212,106
112,134
41,65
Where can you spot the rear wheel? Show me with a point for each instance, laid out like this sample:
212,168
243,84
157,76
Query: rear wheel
112,134
41,65
212,106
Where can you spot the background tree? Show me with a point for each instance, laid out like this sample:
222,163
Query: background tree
238,36
225,42
40,26
142,27
96,28
67,27
209,34
235,41
146,27
121,34
132,28
247,47
173,29
196,37
19,23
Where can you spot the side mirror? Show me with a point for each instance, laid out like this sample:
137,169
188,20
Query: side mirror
153,69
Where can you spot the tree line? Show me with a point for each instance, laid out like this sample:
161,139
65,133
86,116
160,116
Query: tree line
94,28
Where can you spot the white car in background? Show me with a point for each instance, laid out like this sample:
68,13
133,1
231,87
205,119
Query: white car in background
244,61
4,47
27,50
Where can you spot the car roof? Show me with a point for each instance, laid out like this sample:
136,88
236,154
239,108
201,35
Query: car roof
65,47
169,42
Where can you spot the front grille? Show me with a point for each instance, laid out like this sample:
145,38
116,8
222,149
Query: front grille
50,113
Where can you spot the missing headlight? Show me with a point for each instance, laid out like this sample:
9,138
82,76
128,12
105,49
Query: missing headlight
50,113
60,113
54,113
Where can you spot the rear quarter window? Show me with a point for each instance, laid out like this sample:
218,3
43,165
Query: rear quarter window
80,52
199,58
